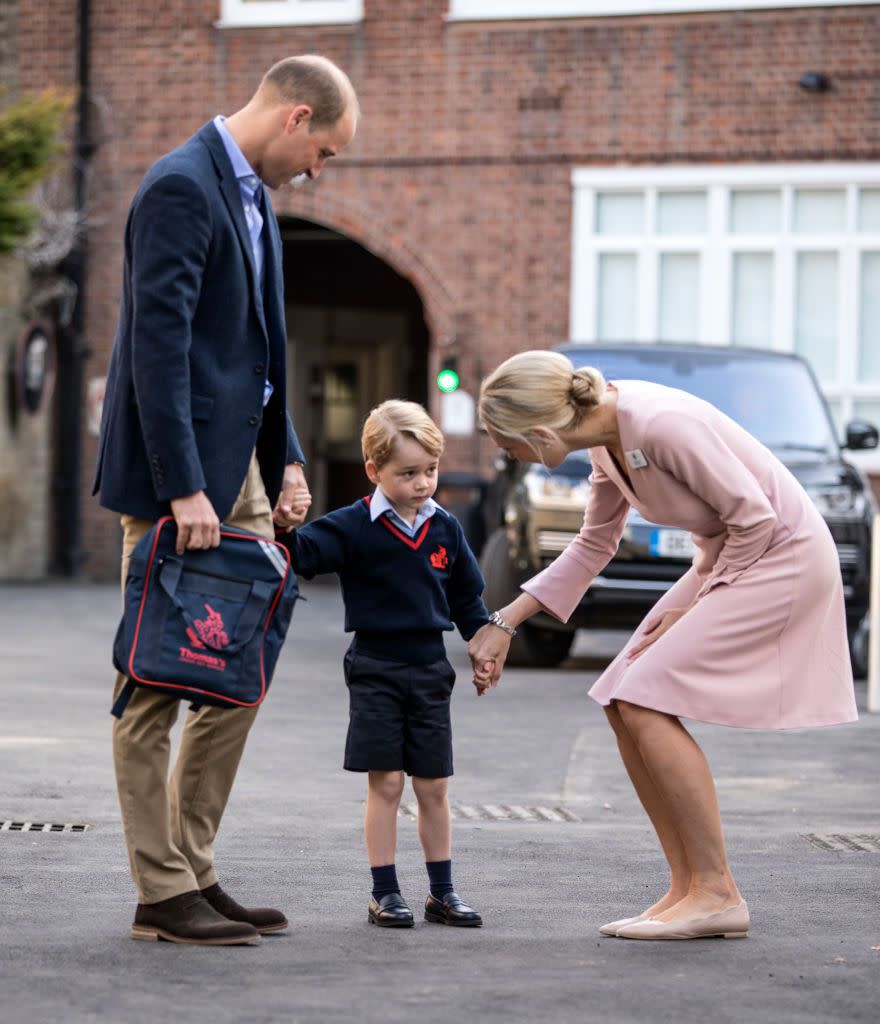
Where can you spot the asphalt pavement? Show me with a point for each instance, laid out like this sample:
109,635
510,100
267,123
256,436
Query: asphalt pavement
549,842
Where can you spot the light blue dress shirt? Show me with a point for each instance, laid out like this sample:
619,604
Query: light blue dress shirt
379,505
250,188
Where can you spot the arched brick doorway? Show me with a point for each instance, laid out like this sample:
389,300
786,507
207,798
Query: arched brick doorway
357,335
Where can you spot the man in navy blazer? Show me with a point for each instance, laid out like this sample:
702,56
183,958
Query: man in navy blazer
195,425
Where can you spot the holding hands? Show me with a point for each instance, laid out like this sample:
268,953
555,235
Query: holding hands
294,500
488,649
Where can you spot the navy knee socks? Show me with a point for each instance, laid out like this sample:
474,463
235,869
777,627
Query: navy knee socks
384,881
440,877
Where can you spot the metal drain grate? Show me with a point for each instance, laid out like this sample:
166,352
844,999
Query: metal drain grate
498,812
41,826
837,843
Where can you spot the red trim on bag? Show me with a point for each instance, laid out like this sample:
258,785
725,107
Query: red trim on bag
185,686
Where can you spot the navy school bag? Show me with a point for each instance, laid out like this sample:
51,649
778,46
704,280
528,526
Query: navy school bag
206,626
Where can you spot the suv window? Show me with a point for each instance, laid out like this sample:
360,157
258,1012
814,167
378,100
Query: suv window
776,400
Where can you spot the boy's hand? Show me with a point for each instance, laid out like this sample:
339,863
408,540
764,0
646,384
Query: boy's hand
295,513
289,511
483,677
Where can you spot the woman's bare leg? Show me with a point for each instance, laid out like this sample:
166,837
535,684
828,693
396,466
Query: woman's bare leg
680,773
658,813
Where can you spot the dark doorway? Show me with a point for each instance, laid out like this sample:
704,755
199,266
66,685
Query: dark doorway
357,335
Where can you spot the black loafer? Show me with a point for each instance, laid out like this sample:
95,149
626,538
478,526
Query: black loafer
452,910
390,912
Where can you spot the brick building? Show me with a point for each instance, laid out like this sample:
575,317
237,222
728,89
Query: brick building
523,169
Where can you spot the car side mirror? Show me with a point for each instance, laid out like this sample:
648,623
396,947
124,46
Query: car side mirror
861,435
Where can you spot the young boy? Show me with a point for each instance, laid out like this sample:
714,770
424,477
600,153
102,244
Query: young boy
407,575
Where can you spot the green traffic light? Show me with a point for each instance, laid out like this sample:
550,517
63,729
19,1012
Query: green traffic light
447,381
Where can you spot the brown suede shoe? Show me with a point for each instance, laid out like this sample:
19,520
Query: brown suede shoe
264,919
189,918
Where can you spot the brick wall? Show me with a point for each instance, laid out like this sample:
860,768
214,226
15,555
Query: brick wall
25,448
460,174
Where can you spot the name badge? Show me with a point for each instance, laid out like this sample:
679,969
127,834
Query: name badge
635,459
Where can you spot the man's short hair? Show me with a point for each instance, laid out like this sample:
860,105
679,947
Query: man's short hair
315,81
393,419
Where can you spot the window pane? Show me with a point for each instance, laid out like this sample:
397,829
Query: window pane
681,213
617,297
869,317
869,209
620,213
836,407
752,300
819,210
816,312
754,212
679,297
867,409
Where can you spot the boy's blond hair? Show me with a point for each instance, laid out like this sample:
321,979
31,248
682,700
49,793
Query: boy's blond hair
391,419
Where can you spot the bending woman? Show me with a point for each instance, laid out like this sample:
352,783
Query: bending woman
753,635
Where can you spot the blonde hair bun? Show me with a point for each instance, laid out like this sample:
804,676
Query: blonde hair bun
538,388
587,387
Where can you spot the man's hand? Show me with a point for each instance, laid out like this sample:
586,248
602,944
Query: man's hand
294,500
197,524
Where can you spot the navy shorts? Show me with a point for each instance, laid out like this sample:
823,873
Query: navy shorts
398,716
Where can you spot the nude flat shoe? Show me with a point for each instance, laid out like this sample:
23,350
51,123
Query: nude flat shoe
612,926
728,924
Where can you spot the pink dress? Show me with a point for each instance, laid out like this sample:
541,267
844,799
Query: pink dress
765,644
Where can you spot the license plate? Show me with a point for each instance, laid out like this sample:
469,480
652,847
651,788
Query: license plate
671,544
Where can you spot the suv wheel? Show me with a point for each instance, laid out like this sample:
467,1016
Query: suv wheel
545,648
858,649
534,646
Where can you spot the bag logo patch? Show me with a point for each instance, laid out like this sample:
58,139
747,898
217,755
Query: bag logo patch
209,630
439,558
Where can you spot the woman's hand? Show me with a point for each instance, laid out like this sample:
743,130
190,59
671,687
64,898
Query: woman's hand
488,649
654,630
490,645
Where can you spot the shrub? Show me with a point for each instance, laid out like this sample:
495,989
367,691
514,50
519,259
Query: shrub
29,146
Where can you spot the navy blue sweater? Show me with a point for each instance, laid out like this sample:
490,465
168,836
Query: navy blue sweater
400,593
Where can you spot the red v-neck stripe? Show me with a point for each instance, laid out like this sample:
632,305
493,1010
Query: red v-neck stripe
414,544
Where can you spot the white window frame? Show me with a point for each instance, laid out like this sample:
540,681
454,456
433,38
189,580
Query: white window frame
717,247
493,10
267,13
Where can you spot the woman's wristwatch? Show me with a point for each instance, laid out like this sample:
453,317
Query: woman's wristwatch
496,620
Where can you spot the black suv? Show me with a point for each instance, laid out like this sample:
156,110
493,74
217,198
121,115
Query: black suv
532,512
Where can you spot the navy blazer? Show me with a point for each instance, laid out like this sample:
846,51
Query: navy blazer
183,406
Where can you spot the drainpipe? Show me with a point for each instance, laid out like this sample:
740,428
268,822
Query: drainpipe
72,350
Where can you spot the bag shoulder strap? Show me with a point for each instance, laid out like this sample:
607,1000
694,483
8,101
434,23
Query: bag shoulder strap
121,702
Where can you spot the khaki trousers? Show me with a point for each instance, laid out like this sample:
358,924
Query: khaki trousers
170,824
